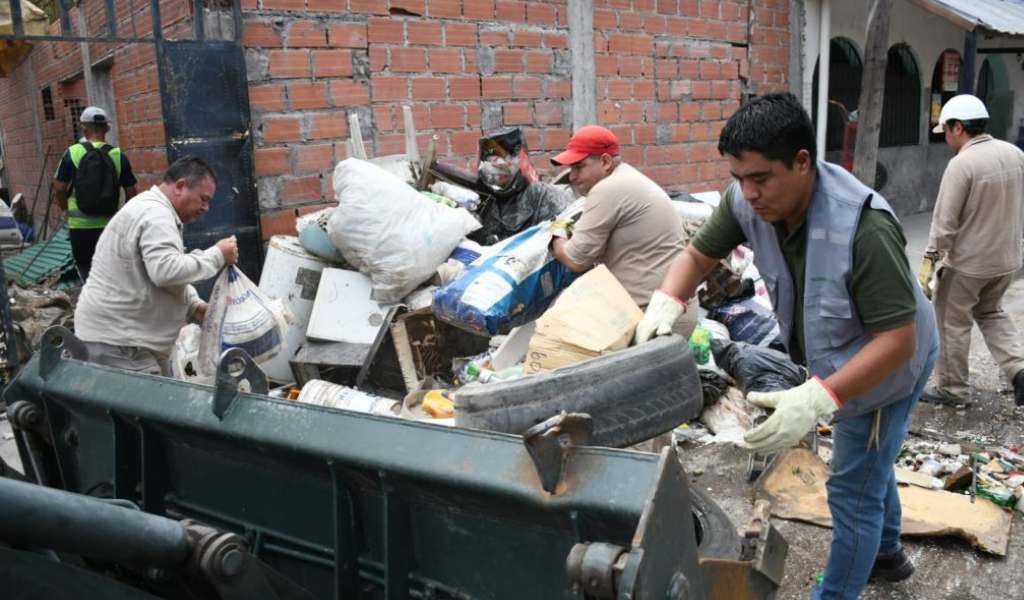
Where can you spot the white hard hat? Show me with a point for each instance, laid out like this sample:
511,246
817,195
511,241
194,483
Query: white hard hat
964,107
94,114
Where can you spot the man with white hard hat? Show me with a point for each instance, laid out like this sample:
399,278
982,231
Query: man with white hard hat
974,250
88,186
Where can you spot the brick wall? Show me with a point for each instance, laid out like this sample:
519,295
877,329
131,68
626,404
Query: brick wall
669,72
58,66
668,75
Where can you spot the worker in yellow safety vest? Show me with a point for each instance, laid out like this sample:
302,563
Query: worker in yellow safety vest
88,186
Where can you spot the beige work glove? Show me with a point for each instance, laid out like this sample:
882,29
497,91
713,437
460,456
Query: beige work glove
662,313
926,274
797,411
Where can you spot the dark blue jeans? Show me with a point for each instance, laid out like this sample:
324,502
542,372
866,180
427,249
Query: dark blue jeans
862,494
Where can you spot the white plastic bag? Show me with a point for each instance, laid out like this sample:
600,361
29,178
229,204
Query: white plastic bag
241,316
389,231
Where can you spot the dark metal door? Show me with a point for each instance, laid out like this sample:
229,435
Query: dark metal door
205,100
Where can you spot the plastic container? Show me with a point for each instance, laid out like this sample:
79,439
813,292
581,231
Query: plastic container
291,274
324,393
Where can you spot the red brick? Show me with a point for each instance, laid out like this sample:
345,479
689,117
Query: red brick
556,40
556,138
539,62
408,60
445,60
527,87
668,7
389,88
348,92
444,8
494,38
643,89
548,113
689,111
526,39
460,34
689,69
508,61
302,189
721,90
465,142
384,118
259,34
306,34
266,98
608,112
415,7
428,88
464,88
289,63
282,5
630,21
510,11
478,9
655,25
332,63
307,95
447,116
284,129
605,19
690,8
517,113
378,58
271,161
369,7
618,89
348,35
496,87
282,222
385,31
425,33
313,158
558,88
668,111
540,13
327,5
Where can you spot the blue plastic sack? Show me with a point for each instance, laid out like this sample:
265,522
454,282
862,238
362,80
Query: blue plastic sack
748,321
507,287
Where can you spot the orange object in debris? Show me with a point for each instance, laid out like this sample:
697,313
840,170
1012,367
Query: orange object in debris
293,394
438,405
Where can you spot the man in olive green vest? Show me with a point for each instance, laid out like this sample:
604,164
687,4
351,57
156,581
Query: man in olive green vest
85,227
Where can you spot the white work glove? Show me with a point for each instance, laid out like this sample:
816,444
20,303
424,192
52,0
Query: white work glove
797,411
661,314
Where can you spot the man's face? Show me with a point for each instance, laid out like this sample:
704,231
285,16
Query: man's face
585,174
953,130
775,192
193,202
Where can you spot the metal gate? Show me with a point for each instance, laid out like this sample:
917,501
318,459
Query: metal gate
205,103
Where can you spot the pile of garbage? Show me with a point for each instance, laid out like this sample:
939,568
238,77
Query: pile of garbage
993,473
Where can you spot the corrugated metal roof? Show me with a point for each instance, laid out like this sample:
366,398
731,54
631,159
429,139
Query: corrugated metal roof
41,260
1002,16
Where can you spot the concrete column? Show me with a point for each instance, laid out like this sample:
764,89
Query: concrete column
584,78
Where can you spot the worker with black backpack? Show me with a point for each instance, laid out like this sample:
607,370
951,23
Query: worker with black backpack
88,186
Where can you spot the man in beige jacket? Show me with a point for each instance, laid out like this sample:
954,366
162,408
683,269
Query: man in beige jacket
974,250
140,292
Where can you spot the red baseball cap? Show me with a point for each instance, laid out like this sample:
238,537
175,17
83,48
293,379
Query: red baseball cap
589,140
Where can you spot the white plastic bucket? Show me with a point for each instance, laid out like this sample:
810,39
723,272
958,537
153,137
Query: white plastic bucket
291,274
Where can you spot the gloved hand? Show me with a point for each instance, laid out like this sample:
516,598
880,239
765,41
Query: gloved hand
661,315
926,274
797,411
561,228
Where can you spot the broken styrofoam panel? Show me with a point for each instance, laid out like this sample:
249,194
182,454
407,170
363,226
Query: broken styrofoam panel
513,350
343,310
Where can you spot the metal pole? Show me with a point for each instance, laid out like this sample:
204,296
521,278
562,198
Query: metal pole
83,47
824,40
42,517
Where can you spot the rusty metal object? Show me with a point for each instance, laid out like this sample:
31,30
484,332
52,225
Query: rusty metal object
759,570
551,443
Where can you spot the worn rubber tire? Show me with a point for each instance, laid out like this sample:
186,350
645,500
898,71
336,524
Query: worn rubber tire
632,395
716,535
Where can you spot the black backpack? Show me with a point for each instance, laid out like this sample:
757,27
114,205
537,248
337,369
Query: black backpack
96,182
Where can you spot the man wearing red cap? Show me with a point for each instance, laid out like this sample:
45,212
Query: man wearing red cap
628,222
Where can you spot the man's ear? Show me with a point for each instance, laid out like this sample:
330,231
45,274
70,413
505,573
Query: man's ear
607,161
802,162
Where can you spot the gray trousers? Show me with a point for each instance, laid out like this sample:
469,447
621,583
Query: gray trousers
960,301
129,358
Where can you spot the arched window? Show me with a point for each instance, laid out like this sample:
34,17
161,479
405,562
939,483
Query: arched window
995,93
845,68
945,85
902,103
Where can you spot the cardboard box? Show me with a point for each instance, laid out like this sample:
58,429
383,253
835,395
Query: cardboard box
595,315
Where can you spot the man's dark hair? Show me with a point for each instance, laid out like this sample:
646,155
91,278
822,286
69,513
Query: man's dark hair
190,168
972,127
95,128
776,125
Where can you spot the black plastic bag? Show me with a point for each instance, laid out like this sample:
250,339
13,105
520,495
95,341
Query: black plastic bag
757,369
